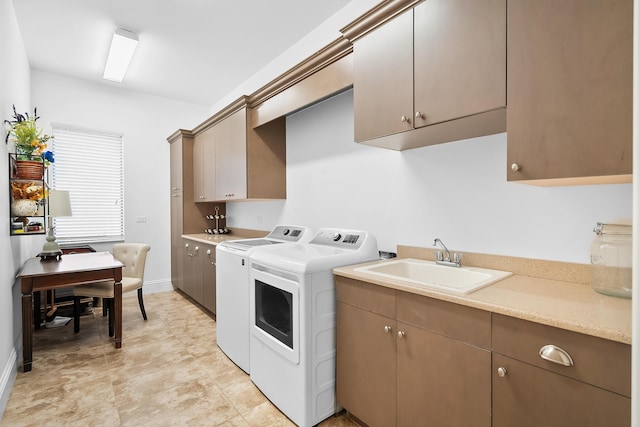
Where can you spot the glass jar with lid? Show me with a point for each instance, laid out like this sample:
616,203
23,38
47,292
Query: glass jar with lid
611,260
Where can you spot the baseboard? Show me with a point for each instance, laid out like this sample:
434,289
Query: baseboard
155,286
8,378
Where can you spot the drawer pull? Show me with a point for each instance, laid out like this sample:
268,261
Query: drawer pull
556,355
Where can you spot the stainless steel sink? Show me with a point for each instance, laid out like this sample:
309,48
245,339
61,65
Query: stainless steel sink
427,274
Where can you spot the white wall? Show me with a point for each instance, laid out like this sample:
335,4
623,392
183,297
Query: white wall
456,191
14,89
145,121
316,40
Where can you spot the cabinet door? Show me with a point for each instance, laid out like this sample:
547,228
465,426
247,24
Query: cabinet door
383,79
441,381
569,86
366,365
204,176
177,255
209,278
459,59
175,166
528,396
231,157
193,271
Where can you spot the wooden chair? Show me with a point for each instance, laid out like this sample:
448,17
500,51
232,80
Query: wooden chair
133,256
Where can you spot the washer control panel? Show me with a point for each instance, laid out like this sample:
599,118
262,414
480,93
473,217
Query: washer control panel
287,233
351,239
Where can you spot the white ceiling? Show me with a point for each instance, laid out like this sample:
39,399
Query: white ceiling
191,50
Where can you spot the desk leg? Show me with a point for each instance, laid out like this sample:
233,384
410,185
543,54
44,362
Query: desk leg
37,319
117,306
27,332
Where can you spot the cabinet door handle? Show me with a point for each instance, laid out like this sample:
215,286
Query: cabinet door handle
419,115
208,251
404,119
502,372
555,354
401,334
515,167
387,329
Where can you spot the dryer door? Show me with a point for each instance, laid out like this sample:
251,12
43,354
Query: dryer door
275,312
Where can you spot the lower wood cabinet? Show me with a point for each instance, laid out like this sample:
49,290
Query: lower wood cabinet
199,273
366,365
441,381
209,278
409,360
414,372
592,389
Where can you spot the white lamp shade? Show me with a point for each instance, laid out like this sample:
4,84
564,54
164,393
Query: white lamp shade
123,45
59,203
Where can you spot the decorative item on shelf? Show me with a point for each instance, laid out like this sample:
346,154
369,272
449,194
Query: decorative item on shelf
27,199
24,207
220,228
59,205
30,145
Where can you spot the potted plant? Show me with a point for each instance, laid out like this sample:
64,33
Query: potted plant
29,143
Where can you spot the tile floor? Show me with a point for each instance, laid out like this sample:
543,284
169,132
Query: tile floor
169,371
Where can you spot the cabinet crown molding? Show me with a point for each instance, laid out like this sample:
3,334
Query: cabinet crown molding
180,133
377,16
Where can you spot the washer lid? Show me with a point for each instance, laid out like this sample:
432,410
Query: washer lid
321,254
280,234
246,244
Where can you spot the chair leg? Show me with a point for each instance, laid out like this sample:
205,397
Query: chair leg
110,305
144,313
76,314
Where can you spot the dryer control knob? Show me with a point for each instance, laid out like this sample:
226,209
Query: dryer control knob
336,237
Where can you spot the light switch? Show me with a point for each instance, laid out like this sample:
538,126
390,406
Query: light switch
141,219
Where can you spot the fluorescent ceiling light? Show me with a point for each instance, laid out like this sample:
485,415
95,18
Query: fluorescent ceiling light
122,47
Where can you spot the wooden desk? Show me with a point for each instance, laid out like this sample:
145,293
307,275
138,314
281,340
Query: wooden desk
71,270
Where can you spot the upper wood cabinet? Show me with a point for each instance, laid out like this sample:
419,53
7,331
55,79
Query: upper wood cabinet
434,73
240,162
569,86
204,160
459,59
383,80
231,157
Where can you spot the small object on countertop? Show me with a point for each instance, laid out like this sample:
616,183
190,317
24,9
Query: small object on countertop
387,255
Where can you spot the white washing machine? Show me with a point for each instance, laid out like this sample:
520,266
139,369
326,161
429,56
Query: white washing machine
232,288
293,321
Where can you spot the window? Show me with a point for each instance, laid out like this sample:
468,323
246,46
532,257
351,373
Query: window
90,165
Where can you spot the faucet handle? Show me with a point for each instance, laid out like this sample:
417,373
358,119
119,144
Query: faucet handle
439,255
457,257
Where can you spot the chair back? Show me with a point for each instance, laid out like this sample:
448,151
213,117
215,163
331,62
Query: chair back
133,256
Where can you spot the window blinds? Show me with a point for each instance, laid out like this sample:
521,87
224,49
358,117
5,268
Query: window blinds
90,165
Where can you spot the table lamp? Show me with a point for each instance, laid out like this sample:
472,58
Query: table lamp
59,205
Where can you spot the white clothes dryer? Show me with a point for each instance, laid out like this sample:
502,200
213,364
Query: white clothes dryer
293,321
232,288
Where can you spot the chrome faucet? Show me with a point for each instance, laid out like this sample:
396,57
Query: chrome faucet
445,258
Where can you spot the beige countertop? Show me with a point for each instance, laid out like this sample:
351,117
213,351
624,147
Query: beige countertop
211,239
564,304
